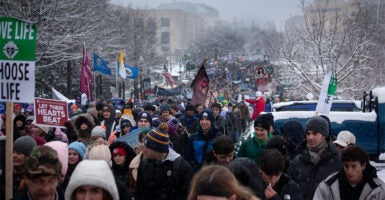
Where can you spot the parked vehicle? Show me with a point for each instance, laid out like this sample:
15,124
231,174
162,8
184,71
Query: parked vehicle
368,125
338,105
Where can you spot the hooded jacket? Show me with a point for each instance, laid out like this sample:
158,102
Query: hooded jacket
122,173
308,175
110,122
329,189
84,135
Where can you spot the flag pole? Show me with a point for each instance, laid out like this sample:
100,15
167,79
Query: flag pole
116,76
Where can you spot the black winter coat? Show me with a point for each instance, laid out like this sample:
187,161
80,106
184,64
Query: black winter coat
309,175
286,186
161,181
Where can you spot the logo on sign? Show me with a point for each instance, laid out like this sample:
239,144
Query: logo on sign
260,71
10,49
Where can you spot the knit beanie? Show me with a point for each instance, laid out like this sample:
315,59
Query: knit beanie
155,122
207,113
172,125
61,149
100,152
269,117
43,160
318,124
164,107
95,173
145,115
24,145
158,139
45,129
263,122
125,123
99,131
79,147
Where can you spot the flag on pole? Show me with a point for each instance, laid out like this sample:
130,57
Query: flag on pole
100,65
86,75
169,78
131,72
122,71
200,87
327,94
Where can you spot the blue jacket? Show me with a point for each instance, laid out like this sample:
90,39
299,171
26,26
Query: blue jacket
199,146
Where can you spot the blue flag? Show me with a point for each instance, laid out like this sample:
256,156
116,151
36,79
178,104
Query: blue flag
100,65
131,72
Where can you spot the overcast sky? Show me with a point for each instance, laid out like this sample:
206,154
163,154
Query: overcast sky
261,11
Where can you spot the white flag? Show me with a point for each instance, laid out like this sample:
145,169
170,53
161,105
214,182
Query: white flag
326,96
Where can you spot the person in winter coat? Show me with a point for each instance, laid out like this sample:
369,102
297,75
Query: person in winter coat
163,173
21,149
219,121
190,121
83,124
223,151
233,123
76,153
125,126
277,184
254,146
293,134
200,144
92,179
109,119
247,173
244,115
42,175
259,105
357,179
122,154
317,160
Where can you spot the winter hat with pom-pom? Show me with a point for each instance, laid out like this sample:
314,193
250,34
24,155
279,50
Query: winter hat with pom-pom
172,125
158,139
100,152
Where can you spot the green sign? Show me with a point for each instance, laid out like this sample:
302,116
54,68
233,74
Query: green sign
17,60
332,86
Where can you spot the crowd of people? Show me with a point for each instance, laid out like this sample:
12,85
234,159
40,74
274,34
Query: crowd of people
176,150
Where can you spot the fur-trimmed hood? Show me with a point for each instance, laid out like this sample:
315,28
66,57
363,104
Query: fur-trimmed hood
84,117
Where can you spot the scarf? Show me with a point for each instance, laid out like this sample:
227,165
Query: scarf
316,152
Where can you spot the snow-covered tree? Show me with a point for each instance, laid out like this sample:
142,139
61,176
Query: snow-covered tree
331,39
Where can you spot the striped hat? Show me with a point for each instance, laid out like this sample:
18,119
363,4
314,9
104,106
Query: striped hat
158,139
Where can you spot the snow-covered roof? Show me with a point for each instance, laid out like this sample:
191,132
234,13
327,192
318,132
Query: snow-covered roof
283,104
380,93
337,117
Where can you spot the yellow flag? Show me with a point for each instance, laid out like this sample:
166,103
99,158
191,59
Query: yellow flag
122,70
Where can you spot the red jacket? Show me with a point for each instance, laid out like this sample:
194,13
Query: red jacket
259,106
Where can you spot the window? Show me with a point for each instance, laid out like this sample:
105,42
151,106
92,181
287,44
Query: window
165,22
